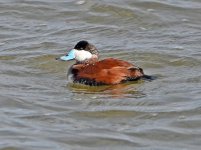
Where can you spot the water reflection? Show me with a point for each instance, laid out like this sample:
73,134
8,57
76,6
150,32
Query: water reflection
124,90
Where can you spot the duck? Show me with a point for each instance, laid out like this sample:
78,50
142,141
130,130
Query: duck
89,70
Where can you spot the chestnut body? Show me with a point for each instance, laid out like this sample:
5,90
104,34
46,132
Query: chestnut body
106,72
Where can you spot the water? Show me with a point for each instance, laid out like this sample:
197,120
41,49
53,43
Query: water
40,110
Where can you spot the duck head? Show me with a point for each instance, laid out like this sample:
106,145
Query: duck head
82,51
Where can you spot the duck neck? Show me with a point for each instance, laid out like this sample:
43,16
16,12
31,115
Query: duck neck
92,60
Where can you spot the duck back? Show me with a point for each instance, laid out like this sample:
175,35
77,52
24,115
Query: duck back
106,72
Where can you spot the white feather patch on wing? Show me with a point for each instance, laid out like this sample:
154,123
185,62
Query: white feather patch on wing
82,55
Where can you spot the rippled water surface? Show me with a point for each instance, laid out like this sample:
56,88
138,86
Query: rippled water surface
40,110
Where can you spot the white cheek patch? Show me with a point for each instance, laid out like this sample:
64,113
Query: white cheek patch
82,55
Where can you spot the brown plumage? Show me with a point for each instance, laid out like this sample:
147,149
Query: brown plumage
106,72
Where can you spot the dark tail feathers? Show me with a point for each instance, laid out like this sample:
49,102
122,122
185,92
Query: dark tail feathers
144,76
148,77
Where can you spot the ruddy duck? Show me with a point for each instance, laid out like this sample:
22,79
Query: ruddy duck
89,70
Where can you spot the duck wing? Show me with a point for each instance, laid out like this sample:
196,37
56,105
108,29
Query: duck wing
106,72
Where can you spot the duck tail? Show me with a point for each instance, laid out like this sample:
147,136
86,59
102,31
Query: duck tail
148,77
138,73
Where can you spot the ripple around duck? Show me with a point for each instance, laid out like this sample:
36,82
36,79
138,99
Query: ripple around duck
41,110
